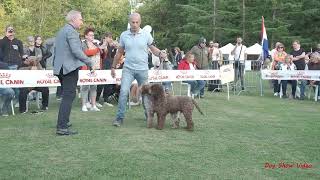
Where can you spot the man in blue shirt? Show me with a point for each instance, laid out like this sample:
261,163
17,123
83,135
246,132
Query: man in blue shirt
135,43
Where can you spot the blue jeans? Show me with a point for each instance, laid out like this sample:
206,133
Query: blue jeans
302,85
196,86
128,76
7,95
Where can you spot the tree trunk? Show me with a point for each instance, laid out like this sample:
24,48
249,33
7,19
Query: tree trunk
214,20
243,20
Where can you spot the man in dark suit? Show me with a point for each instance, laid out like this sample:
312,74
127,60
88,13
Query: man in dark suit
68,57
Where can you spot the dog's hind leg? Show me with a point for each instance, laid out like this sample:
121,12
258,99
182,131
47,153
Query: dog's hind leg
188,117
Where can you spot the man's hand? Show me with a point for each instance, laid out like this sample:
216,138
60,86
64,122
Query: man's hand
92,69
113,72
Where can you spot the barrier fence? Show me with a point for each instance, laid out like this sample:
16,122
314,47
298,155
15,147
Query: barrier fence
252,76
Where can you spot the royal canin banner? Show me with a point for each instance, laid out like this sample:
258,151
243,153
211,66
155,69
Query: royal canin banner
45,78
290,75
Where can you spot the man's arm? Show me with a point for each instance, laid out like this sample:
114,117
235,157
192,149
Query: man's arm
157,52
299,57
76,49
117,57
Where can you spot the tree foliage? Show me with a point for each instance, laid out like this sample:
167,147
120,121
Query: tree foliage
45,17
182,22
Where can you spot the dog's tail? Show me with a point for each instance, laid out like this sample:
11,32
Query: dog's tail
197,106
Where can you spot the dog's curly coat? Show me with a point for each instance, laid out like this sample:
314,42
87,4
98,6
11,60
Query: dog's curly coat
162,104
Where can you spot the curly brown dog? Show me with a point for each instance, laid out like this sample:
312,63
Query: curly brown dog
162,104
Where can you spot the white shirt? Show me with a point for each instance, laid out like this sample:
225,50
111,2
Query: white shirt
237,55
191,66
216,54
285,67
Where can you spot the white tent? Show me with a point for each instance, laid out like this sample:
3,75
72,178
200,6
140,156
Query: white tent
254,49
226,51
227,48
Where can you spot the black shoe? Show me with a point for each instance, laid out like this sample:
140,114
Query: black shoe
44,108
301,98
201,96
69,125
65,132
284,96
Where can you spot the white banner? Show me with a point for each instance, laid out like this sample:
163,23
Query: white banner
45,78
227,73
290,75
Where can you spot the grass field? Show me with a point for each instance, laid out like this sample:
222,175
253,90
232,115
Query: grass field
234,140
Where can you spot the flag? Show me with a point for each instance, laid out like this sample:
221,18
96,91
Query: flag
264,41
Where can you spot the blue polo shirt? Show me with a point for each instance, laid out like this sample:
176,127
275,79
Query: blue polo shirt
136,48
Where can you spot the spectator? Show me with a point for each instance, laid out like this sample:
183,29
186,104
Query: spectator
275,49
165,64
216,56
314,64
240,55
12,51
202,57
93,51
288,66
278,59
177,56
188,63
32,62
298,57
135,42
107,60
68,58
41,51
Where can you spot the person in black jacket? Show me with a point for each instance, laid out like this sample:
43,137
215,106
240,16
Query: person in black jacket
12,49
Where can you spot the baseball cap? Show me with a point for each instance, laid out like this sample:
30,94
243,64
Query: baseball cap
202,40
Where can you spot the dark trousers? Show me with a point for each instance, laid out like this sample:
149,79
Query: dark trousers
107,89
293,87
23,95
59,92
69,84
276,88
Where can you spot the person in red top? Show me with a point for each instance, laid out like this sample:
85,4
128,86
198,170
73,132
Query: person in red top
188,63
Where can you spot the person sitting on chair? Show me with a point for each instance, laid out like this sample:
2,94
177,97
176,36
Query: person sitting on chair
188,63
32,63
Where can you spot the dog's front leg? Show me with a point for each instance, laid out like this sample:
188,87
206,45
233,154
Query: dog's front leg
161,121
150,119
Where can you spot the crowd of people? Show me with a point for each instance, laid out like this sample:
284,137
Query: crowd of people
135,53
297,59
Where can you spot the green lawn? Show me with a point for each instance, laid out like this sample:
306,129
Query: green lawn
233,140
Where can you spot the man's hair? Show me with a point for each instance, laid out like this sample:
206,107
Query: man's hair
134,15
89,29
72,14
9,26
296,41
